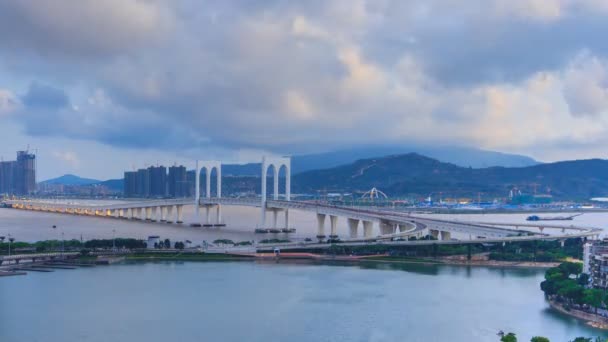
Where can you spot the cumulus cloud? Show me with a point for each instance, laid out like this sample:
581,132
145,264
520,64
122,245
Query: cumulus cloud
83,28
299,76
586,85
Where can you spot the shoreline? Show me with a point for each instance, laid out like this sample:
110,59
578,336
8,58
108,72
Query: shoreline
592,320
345,259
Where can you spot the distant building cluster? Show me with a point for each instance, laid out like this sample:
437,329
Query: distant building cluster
18,177
158,182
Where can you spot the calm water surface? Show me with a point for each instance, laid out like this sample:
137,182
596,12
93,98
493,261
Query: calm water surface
246,301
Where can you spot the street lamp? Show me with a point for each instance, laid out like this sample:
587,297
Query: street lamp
62,245
10,240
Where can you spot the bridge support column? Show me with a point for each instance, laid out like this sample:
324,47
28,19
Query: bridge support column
275,216
402,228
142,213
353,226
333,221
287,218
163,214
170,214
179,214
153,214
434,233
368,229
218,214
207,215
320,226
445,236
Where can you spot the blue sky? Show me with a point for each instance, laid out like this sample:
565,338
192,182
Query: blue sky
102,86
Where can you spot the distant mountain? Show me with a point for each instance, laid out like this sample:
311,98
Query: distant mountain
461,156
71,180
419,175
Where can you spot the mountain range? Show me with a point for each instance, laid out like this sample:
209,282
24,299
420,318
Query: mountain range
461,156
414,174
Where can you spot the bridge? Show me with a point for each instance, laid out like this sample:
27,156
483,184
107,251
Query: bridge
391,224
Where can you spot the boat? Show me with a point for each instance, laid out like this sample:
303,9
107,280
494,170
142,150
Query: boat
551,218
288,230
261,231
274,230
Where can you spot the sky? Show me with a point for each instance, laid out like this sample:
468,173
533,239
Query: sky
97,87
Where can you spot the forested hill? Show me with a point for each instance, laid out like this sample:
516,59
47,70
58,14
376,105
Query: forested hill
419,175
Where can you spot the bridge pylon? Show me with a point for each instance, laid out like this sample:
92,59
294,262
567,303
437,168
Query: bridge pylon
277,163
208,166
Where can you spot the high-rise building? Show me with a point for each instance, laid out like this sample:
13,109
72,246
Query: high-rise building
158,181
130,185
177,181
6,177
25,175
143,182
191,183
19,177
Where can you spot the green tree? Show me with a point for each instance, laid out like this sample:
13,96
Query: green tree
539,339
510,337
593,297
167,243
582,339
571,268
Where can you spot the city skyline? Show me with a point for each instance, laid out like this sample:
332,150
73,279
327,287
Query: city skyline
144,82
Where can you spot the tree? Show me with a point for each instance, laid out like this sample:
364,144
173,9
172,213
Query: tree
539,339
581,339
179,245
167,243
571,268
593,297
510,337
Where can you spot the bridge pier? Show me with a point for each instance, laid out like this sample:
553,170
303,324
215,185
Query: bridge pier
333,221
163,214
353,226
142,213
320,226
434,233
287,218
368,229
179,214
218,214
444,236
153,214
170,213
275,215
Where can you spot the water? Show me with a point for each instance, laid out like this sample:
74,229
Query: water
247,301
